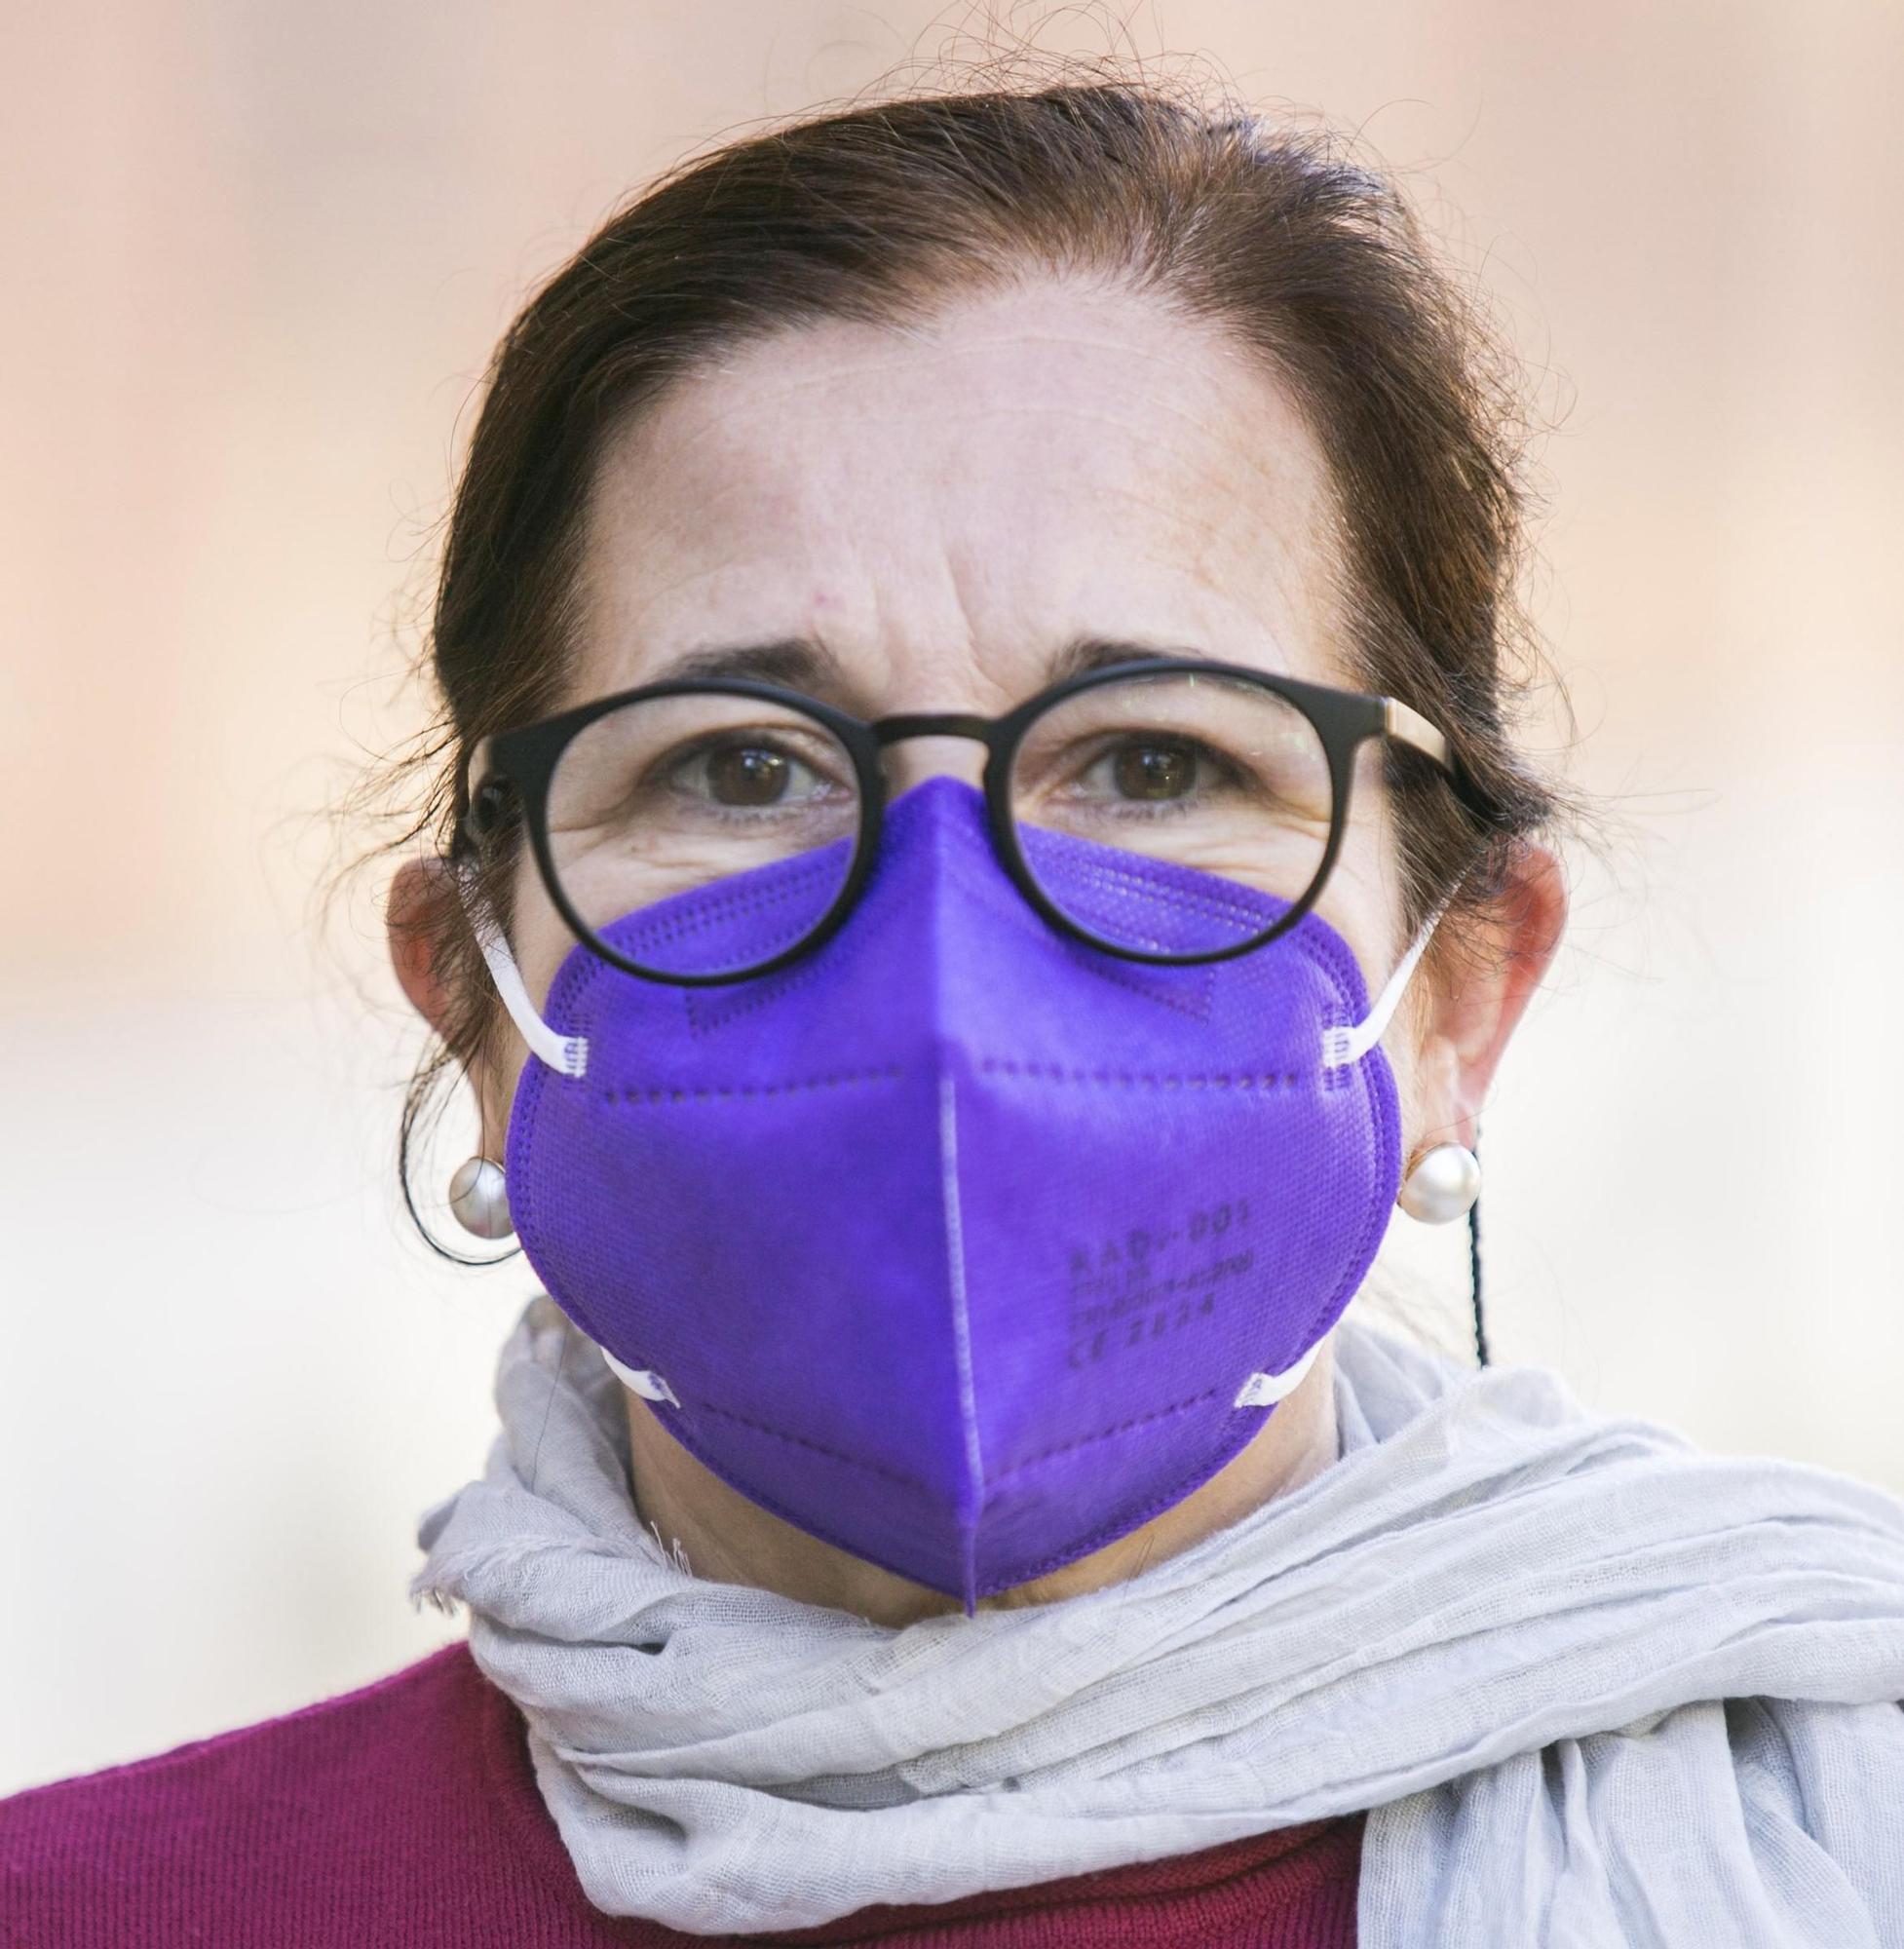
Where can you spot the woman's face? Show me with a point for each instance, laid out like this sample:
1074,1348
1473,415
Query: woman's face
941,513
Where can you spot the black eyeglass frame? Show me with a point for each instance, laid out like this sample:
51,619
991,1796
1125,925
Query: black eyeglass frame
524,760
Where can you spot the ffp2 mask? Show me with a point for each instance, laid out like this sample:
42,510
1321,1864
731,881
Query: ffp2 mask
958,1244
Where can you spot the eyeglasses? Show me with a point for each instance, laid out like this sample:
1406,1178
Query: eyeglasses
649,793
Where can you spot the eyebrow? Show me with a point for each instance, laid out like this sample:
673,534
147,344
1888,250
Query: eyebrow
1084,654
806,663
799,663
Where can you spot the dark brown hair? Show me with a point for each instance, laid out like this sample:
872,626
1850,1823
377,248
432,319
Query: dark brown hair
1279,237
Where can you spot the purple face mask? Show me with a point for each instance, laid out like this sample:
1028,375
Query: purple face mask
958,1244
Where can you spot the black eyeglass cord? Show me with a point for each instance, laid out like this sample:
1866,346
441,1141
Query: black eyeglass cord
1474,1266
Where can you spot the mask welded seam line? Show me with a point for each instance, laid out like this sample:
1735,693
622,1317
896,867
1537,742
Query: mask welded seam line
664,1094
707,1014
651,936
898,1475
1386,1107
1197,1006
1261,1080
1105,1433
948,1141
523,1190
1111,1531
1186,899
724,906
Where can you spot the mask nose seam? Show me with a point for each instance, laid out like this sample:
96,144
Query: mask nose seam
955,1260
950,838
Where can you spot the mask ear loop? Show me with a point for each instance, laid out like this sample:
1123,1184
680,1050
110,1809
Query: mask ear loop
1343,1046
568,1054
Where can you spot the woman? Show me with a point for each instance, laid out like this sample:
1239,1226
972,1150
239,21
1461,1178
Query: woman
980,856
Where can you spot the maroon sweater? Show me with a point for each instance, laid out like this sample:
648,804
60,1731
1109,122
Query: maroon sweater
407,1813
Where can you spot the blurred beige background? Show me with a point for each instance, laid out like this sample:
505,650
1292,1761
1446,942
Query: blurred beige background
256,257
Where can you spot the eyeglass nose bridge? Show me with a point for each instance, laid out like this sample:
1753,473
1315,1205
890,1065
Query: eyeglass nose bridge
908,725
934,724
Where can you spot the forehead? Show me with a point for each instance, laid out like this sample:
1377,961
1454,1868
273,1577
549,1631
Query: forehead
943,504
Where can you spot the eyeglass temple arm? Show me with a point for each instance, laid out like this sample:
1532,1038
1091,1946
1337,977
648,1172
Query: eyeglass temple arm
1407,724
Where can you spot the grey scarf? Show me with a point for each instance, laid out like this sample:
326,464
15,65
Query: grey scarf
1597,1686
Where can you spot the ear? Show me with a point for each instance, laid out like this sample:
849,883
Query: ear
1479,998
416,911
413,914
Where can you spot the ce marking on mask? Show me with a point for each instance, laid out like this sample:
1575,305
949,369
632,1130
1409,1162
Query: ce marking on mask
1136,1287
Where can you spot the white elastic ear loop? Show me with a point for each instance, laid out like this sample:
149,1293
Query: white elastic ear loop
1266,1389
648,1383
1341,1045
567,1054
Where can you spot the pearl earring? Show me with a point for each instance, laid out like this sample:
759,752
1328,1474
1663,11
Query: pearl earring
1443,1185
477,1198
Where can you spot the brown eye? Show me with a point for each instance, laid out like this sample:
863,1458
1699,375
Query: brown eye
747,775
1154,771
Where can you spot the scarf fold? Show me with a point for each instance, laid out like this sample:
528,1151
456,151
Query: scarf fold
1597,1686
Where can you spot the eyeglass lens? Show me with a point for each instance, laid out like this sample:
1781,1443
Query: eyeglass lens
1199,772
667,795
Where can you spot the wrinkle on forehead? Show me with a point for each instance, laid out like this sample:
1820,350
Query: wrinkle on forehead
1024,467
